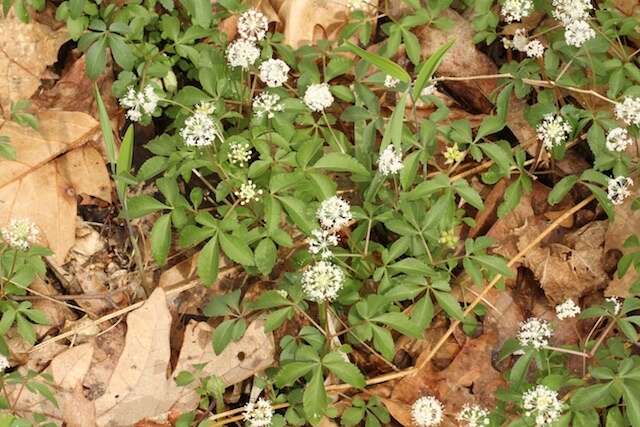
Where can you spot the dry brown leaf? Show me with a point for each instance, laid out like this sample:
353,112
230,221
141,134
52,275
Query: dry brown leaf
138,385
469,378
26,50
306,21
84,170
625,224
33,181
240,360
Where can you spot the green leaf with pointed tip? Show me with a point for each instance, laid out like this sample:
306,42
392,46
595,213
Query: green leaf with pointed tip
381,62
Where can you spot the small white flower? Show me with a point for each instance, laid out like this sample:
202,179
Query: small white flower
239,153
629,110
390,82
515,10
553,130
473,416
534,332
206,108
321,242
322,281
568,11
20,234
266,105
427,411
453,155
318,97
199,130
390,162
618,189
248,192
242,53
618,139
333,213
139,103
253,25
520,40
617,304
258,414
542,405
567,309
4,363
274,72
430,89
578,32
534,49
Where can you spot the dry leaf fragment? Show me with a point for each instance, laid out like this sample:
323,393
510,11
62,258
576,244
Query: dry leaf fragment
138,385
26,50
240,360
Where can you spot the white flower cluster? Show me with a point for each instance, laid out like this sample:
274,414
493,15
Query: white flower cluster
521,43
390,161
534,332
618,139
139,103
199,130
617,304
573,14
274,72
253,25
258,414
427,411
473,416
321,242
20,234
618,189
239,153
334,213
390,82
4,363
248,192
553,130
242,53
629,110
318,97
266,105
322,281
515,10
567,309
542,404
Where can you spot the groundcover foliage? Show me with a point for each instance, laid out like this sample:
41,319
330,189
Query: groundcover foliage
288,162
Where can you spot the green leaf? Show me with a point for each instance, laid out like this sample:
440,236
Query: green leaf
449,304
184,378
125,160
520,368
422,313
341,163
561,189
501,158
7,150
276,319
223,334
314,398
107,131
383,341
589,397
96,58
25,329
428,68
266,255
494,263
208,260
161,239
291,371
296,209
400,322
468,193
202,13
236,249
632,400
337,363
381,62
122,52
428,187
142,205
